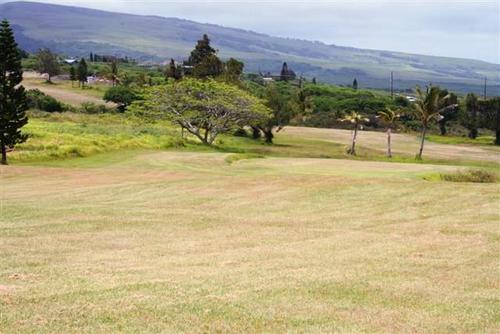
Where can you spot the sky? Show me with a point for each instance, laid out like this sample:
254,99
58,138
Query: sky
465,29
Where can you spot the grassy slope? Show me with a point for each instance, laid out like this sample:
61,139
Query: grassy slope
185,242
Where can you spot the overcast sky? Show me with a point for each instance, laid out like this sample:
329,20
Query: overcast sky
468,29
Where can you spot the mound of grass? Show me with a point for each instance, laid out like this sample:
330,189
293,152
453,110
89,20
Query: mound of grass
471,175
242,156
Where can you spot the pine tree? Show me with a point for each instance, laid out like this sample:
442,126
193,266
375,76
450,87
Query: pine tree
72,75
92,57
355,84
314,80
204,59
82,72
114,71
173,71
13,102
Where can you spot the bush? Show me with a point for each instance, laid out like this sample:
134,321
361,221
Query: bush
121,95
39,100
94,108
472,175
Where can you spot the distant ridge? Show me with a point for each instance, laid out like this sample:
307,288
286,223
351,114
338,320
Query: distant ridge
76,31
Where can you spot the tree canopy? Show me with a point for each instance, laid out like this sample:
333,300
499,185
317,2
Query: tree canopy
205,108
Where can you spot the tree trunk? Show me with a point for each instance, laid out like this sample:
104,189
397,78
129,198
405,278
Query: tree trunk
352,151
389,151
255,132
497,138
442,128
4,154
473,133
269,136
424,131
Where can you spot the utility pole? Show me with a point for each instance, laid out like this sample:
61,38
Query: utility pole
392,84
484,92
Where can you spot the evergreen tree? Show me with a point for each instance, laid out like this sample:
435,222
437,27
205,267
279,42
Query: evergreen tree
204,59
92,59
13,102
82,72
114,71
471,119
355,84
173,71
314,80
72,75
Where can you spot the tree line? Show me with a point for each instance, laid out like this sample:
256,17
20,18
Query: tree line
206,96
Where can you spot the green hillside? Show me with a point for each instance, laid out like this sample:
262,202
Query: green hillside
77,31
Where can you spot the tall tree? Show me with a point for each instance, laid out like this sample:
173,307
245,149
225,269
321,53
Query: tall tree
428,107
233,69
13,102
390,117
490,116
471,119
82,72
355,84
72,75
47,62
114,71
173,71
204,59
356,120
286,73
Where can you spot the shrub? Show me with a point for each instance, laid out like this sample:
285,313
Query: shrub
121,95
39,100
472,175
94,108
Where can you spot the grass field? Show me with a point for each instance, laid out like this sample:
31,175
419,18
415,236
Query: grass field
185,242
109,224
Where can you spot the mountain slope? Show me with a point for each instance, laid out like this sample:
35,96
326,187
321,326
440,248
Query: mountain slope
77,31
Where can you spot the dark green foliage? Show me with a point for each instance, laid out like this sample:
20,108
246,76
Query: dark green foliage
204,60
72,74
355,84
121,95
286,73
39,100
470,119
82,72
490,116
173,71
13,97
47,62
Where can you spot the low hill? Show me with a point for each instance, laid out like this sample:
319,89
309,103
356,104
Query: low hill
76,31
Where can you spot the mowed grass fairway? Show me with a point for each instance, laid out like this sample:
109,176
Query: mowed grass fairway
166,241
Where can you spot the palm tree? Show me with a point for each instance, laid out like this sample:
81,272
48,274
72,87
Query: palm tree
390,117
356,119
428,109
